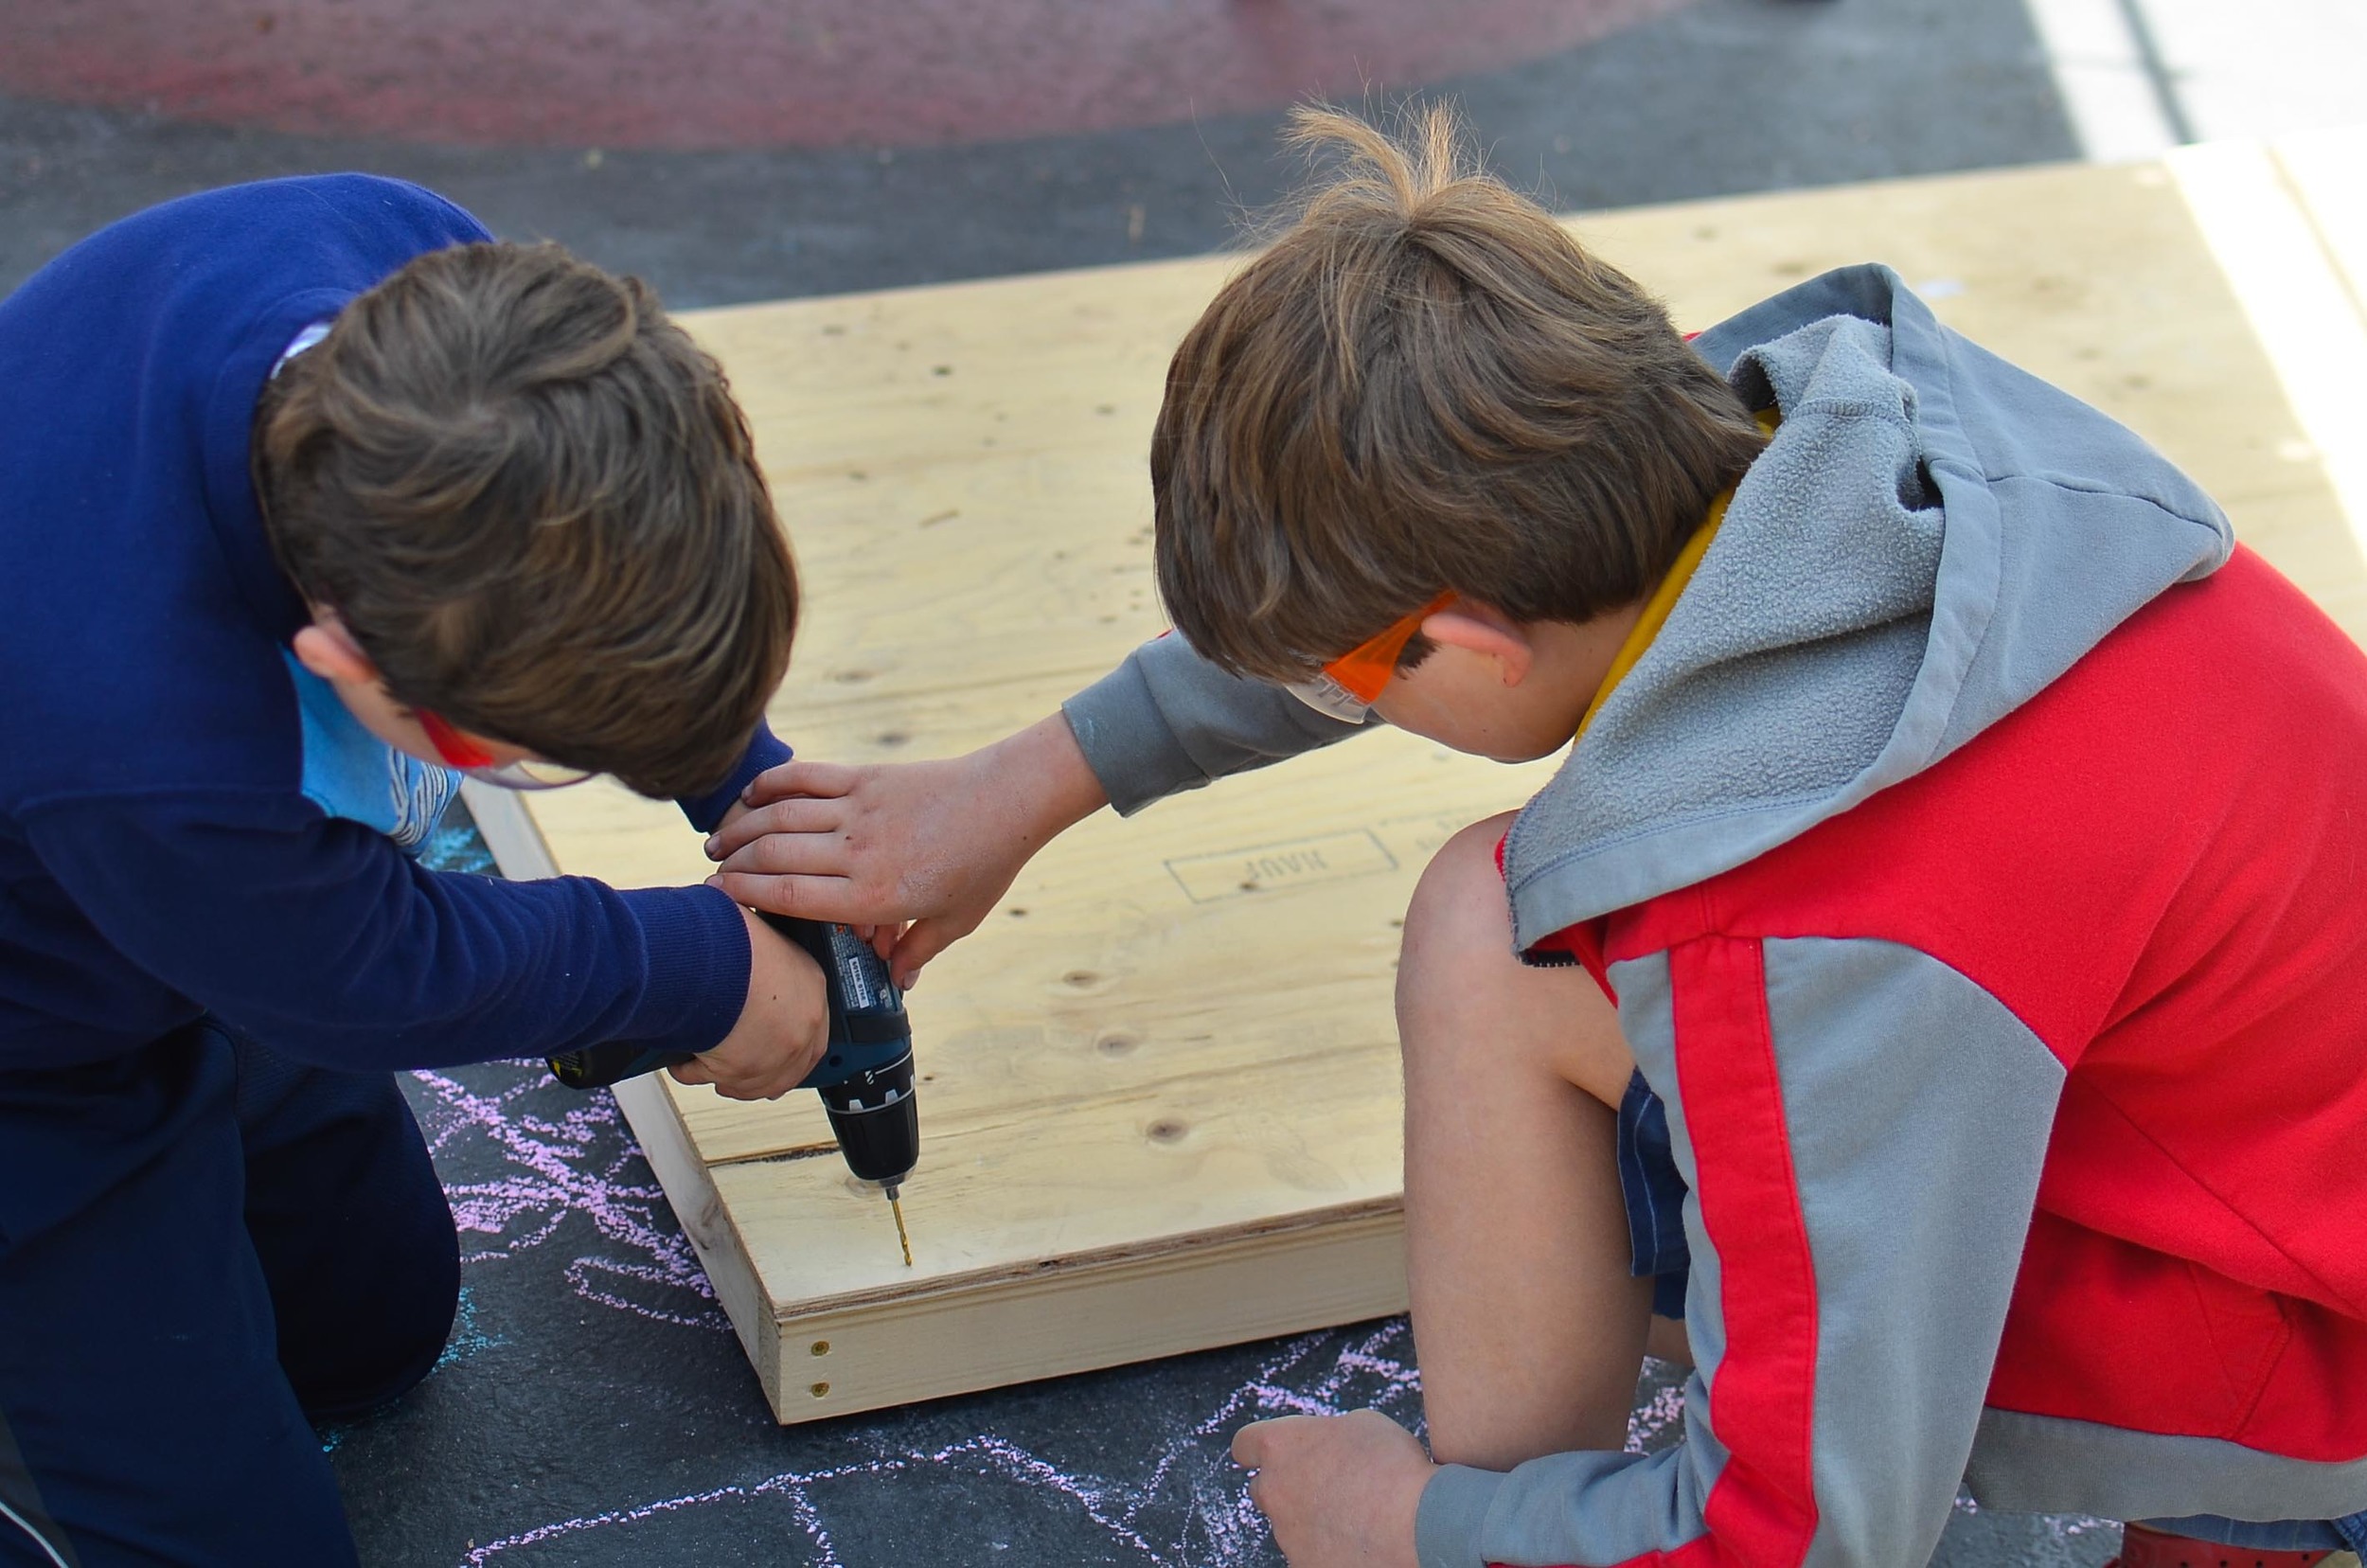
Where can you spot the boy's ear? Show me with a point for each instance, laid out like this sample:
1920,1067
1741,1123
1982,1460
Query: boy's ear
1478,628
328,651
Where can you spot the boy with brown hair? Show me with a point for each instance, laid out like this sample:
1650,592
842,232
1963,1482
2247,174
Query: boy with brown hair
1935,973
316,500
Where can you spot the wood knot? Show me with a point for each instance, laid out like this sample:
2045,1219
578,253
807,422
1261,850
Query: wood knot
1167,1130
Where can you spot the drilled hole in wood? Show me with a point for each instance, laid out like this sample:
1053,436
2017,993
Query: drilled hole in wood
821,1347
1167,1129
819,1390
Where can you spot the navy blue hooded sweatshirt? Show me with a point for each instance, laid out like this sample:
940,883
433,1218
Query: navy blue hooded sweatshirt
158,858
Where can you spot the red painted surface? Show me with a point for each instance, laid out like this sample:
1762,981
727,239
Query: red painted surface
755,73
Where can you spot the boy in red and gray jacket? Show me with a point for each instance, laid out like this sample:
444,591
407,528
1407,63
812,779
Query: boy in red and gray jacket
1939,964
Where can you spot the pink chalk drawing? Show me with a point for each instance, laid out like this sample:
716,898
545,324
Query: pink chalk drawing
1176,1502
579,1163
1186,1507
1180,1500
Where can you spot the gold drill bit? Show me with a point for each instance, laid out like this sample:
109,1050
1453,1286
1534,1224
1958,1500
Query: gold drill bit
902,1239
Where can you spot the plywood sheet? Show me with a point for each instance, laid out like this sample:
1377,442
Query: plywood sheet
1160,1096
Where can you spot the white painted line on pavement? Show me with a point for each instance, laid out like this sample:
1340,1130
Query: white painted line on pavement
2265,68
2114,101
2281,261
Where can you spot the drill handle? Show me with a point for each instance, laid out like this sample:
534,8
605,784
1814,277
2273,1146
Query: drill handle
868,1028
610,1062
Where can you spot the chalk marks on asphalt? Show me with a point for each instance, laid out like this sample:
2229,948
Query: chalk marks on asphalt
1181,1504
578,1164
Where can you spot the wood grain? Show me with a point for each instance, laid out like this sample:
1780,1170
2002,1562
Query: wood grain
1160,1098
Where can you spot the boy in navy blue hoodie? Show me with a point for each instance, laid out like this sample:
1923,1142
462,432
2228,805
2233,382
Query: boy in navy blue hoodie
313,499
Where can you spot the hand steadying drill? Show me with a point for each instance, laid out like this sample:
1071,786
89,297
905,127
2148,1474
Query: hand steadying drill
783,1028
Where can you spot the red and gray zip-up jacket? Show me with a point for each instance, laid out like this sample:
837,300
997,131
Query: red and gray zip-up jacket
1977,859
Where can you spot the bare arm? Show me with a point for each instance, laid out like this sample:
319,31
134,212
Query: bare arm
934,843
940,843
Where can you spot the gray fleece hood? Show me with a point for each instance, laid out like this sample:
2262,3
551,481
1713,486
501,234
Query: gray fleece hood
1931,537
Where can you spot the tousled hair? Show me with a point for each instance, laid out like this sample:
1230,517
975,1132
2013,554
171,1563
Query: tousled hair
1423,383
533,502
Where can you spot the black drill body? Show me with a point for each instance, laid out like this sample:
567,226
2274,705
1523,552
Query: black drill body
864,1078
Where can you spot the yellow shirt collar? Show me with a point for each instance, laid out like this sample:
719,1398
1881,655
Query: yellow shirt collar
1671,589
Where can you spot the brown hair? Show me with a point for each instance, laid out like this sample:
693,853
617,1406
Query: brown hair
531,499
1424,383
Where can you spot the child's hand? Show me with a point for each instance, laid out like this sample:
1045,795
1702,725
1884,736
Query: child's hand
782,1031
934,843
1341,1491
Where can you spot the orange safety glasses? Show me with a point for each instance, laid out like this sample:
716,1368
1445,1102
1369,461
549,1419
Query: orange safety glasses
1349,683
466,755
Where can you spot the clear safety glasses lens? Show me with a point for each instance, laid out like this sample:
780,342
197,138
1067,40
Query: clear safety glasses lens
464,754
1328,696
1346,688
529,775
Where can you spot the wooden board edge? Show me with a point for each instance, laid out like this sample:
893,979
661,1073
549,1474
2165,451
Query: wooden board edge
1150,1249
509,830
1082,1320
714,1236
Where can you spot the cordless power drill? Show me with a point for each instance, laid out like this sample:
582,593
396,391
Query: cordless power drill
864,1077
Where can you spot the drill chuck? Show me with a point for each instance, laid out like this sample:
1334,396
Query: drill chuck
876,1121
865,1077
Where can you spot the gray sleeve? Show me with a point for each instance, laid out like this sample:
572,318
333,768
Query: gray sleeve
1910,1111
1167,720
